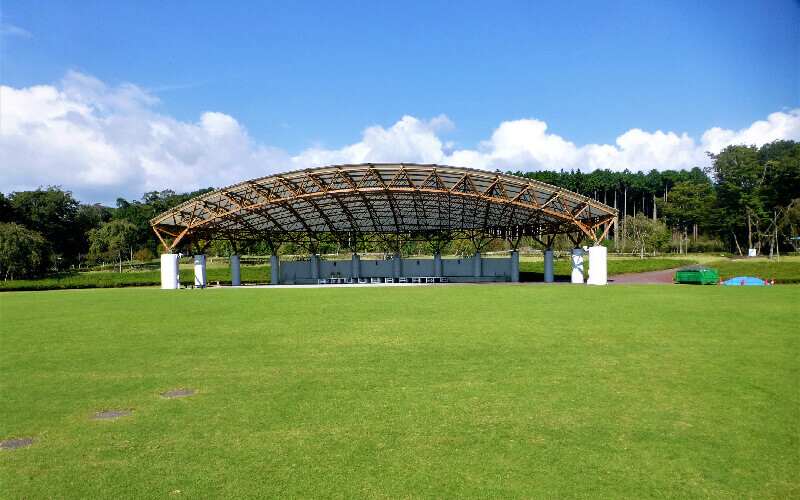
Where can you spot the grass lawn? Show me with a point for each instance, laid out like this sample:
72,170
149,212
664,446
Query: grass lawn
468,391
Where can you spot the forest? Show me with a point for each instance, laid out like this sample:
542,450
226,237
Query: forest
749,198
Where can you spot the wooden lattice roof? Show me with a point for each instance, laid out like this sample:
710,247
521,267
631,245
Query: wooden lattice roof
386,199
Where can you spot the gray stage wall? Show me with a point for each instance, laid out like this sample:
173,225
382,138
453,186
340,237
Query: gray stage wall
455,270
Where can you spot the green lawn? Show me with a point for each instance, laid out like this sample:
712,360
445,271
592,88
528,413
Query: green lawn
468,391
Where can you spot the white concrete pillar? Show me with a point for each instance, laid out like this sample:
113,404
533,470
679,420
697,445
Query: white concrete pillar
169,271
397,266
236,271
356,265
437,265
549,274
274,270
514,266
314,267
598,265
477,268
577,265
200,280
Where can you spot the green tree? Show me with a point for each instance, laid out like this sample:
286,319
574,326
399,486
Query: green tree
112,239
140,212
645,233
55,214
22,252
789,224
687,205
738,176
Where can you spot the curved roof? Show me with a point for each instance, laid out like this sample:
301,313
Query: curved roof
384,198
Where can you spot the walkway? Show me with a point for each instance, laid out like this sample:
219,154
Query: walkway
652,278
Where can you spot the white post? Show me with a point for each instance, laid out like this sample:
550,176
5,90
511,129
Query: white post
314,267
577,265
437,265
598,265
549,275
514,266
356,266
200,271
236,271
476,266
397,266
169,271
274,270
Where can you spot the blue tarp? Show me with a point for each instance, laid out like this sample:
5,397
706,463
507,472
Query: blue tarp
743,280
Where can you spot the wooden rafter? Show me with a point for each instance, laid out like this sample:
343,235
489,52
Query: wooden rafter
356,198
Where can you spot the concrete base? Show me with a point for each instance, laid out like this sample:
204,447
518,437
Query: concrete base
169,271
598,266
577,265
200,280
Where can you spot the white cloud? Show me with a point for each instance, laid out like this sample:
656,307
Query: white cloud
11,30
104,142
525,145
778,125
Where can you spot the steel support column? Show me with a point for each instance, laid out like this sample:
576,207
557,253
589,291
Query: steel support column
477,268
236,271
314,266
548,267
514,266
397,266
274,270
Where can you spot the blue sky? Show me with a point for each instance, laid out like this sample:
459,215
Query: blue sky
317,74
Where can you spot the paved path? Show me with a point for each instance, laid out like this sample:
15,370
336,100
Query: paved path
652,278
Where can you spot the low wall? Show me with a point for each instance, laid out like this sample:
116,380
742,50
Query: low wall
455,270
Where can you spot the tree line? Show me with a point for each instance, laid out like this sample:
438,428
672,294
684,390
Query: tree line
48,229
748,198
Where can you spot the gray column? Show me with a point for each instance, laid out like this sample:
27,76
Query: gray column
437,265
356,266
314,266
200,271
577,265
548,267
476,265
236,271
514,266
169,271
274,270
397,265
598,265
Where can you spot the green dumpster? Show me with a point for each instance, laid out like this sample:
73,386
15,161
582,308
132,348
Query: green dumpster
698,275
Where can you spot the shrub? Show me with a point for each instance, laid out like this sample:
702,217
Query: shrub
143,255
